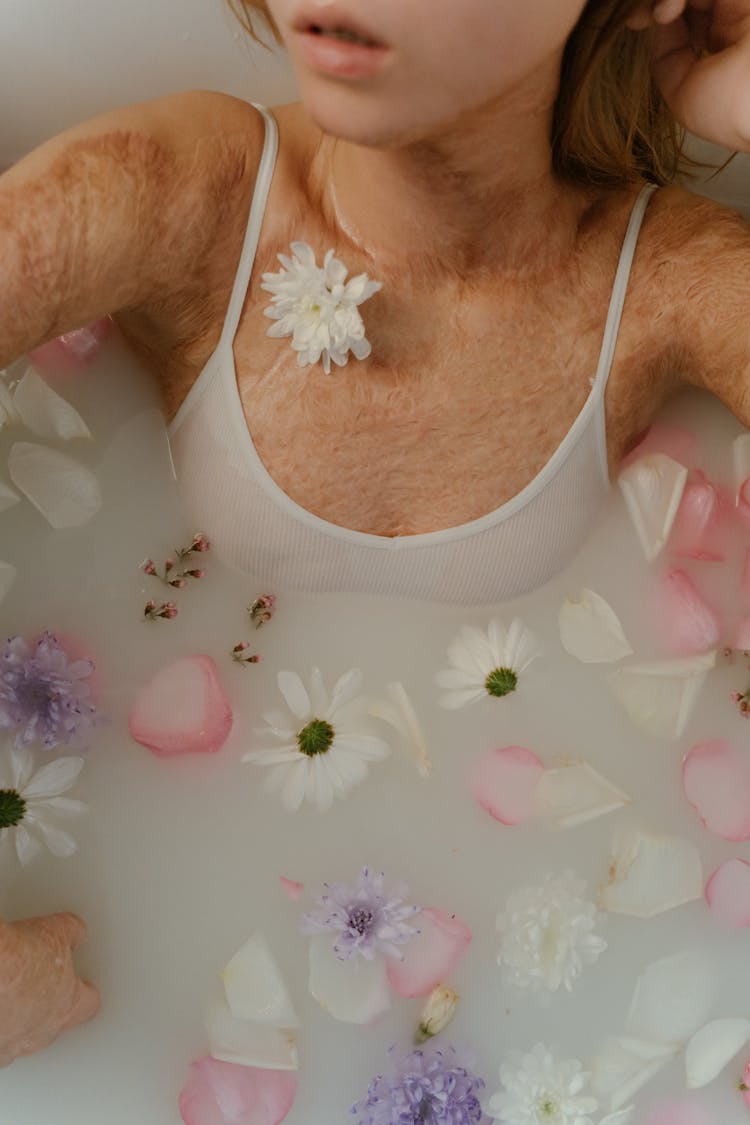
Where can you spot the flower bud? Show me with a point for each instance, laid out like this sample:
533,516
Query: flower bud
437,1013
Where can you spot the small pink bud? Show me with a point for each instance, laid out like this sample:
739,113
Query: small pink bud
170,610
168,564
178,582
196,573
241,646
200,543
149,606
148,566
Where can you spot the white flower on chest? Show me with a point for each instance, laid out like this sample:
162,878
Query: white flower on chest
318,307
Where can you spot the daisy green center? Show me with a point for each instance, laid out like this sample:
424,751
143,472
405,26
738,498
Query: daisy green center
12,808
315,738
549,1107
500,682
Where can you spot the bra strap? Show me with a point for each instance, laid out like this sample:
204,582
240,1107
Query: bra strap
254,223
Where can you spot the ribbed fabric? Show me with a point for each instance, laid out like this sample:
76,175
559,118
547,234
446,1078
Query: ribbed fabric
257,528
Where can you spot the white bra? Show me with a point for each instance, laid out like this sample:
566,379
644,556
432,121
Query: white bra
255,526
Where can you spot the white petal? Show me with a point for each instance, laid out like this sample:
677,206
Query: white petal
54,778
712,1048
7,496
451,701
672,998
254,985
345,689
619,1072
574,793
64,491
354,990
59,842
249,1044
653,487
7,576
621,1117
22,766
65,806
45,412
650,874
318,694
295,694
398,711
27,846
660,696
293,789
591,631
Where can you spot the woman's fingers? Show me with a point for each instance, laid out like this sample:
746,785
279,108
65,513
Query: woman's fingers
71,928
86,1002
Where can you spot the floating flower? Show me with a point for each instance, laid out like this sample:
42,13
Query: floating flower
540,1090
323,748
30,801
262,610
486,663
30,402
44,696
428,1085
318,308
365,919
548,934
178,567
398,711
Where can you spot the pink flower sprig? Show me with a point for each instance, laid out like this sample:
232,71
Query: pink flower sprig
242,656
179,578
151,611
742,699
262,610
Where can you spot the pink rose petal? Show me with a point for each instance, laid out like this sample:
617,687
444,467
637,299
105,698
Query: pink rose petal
221,1093
677,443
689,624
679,1113
697,531
292,889
504,782
431,955
716,780
71,351
746,1084
183,709
728,893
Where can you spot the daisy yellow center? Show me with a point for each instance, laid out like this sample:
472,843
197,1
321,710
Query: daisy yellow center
549,1107
12,808
501,681
315,738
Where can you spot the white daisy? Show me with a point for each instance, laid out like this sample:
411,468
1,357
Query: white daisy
324,746
548,934
318,308
29,803
486,663
539,1090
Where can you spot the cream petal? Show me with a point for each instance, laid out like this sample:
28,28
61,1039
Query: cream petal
574,793
295,694
650,874
398,711
712,1048
591,631
65,492
251,1044
672,998
353,990
619,1073
46,413
54,778
7,496
255,987
652,487
660,696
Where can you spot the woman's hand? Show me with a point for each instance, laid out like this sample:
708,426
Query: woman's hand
40,993
702,65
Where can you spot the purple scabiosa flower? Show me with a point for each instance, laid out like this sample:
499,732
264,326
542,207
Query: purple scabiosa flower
429,1086
44,696
365,919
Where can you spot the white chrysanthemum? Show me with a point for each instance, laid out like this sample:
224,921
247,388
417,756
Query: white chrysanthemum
30,802
323,746
548,934
486,663
318,308
539,1090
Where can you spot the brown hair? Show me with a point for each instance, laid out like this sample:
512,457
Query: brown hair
611,125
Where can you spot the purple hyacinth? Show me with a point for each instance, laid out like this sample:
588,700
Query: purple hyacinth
44,696
429,1086
365,919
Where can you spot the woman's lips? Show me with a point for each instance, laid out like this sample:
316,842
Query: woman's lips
333,42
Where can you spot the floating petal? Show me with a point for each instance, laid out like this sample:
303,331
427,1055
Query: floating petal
221,1093
672,998
660,696
716,781
292,889
625,1065
697,531
431,956
398,711
712,1048
65,492
591,631
504,783
653,487
251,1044
73,350
354,990
255,987
689,623
183,709
7,497
650,874
574,793
728,893
46,413
7,578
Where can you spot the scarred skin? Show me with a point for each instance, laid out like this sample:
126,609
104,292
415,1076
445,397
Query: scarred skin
141,213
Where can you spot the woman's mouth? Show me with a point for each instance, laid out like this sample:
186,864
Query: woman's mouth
339,47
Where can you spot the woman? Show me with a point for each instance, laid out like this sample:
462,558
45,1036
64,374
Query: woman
490,175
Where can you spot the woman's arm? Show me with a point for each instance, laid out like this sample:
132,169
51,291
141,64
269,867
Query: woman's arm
118,212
